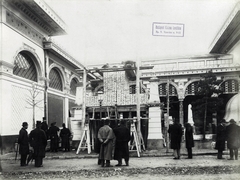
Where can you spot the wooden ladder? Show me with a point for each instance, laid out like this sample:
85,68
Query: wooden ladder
85,140
135,142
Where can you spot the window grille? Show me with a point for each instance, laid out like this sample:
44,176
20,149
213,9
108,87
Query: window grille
230,86
192,88
132,89
55,80
162,88
25,67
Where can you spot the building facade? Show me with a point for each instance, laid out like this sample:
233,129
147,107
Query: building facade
37,78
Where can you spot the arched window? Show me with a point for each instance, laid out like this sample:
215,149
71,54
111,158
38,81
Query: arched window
192,88
230,86
55,79
73,86
162,88
25,67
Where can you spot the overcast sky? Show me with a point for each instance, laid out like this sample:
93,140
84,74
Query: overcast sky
101,31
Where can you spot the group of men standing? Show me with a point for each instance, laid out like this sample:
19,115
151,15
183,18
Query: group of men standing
230,133
226,132
110,138
33,146
37,140
176,132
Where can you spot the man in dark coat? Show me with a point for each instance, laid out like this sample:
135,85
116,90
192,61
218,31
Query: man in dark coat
54,139
45,126
122,134
23,142
233,135
65,135
189,139
221,138
38,141
107,139
175,131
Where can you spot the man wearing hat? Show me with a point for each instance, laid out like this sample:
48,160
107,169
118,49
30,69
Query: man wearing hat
233,133
45,126
106,137
221,138
23,143
38,141
123,136
53,135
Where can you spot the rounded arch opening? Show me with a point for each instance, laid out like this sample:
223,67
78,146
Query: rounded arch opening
55,77
73,86
26,66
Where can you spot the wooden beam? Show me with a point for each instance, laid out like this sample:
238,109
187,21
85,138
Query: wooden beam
138,101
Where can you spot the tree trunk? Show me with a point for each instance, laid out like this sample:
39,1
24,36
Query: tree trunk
204,121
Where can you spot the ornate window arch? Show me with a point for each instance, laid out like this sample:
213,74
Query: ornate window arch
191,87
25,66
74,81
73,86
230,86
162,89
55,77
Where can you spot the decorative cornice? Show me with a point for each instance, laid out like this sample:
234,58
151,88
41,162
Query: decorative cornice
148,75
41,15
19,25
49,45
229,34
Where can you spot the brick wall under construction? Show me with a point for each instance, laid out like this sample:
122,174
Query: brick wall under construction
116,91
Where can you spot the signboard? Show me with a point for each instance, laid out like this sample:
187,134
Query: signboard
168,29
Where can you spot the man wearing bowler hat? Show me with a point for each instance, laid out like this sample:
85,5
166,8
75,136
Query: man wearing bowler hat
23,143
38,141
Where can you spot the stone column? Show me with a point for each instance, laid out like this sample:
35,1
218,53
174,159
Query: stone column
181,116
155,139
66,98
181,98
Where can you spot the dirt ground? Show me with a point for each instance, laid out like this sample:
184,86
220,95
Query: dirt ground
200,167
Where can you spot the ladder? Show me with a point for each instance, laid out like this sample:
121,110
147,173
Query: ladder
135,142
142,142
85,140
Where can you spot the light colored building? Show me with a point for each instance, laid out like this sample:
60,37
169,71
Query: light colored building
32,64
37,78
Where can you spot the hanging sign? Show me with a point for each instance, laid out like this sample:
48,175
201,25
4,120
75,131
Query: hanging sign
168,29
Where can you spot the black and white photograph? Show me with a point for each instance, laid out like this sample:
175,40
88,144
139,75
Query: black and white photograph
120,89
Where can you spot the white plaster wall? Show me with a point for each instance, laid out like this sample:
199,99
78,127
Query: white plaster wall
13,89
13,41
15,107
236,53
1,104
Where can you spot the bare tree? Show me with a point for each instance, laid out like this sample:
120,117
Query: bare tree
33,101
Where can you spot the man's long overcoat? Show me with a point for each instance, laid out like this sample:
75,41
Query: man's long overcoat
23,142
106,133
175,132
233,136
38,140
221,138
122,134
